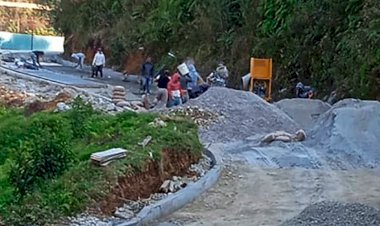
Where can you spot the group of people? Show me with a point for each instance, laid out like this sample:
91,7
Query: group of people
98,62
175,89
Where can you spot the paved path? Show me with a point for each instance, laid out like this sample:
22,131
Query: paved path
66,74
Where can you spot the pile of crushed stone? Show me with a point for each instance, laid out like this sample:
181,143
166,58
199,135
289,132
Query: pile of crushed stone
244,114
348,135
201,117
303,111
337,214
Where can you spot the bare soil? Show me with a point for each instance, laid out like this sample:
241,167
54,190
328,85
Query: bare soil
142,185
254,196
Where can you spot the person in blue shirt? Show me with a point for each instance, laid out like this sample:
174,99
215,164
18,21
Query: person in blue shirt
193,86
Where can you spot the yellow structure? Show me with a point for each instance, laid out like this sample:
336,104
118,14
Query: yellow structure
261,75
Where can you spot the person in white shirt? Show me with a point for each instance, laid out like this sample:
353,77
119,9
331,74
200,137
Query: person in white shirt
99,62
79,57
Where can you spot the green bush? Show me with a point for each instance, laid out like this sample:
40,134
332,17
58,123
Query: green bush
79,117
46,174
45,154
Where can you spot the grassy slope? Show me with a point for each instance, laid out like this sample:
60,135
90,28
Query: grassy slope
82,182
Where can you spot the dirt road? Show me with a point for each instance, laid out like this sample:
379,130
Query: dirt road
269,184
246,195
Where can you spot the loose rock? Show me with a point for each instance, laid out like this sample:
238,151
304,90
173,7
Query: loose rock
337,214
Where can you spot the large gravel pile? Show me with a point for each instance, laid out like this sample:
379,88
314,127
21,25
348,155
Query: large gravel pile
243,114
303,111
348,135
336,214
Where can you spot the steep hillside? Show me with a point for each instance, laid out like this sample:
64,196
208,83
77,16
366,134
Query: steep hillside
22,16
333,45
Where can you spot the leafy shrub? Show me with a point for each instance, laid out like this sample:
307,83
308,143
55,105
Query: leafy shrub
45,154
79,117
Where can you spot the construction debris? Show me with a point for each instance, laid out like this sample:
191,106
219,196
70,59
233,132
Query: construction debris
124,213
202,167
106,157
201,117
173,185
158,123
145,142
284,137
177,183
38,104
12,98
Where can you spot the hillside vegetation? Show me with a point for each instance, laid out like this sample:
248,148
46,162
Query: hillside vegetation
21,19
330,44
45,173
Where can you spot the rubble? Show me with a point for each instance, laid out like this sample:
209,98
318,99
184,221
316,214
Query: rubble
124,213
62,107
200,116
88,220
202,167
173,185
17,92
12,98
145,142
158,123
177,183
338,214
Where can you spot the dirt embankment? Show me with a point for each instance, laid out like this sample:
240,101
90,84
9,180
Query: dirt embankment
154,173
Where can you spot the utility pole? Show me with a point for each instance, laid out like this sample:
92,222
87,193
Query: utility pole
31,44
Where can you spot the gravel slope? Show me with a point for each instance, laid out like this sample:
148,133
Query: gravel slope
245,114
337,214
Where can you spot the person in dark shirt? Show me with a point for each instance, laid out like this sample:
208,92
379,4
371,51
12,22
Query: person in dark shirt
163,80
162,94
36,58
147,73
185,80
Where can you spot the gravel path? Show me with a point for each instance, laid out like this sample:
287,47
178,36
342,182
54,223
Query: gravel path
337,214
244,115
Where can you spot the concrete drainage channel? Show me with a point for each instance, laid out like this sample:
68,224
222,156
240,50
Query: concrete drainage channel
179,199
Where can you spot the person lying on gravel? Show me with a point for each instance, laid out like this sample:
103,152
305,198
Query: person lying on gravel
284,137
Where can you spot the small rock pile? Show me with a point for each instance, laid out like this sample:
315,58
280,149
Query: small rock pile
174,184
177,183
131,208
12,98
202,167
200,116
334,213
88,220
